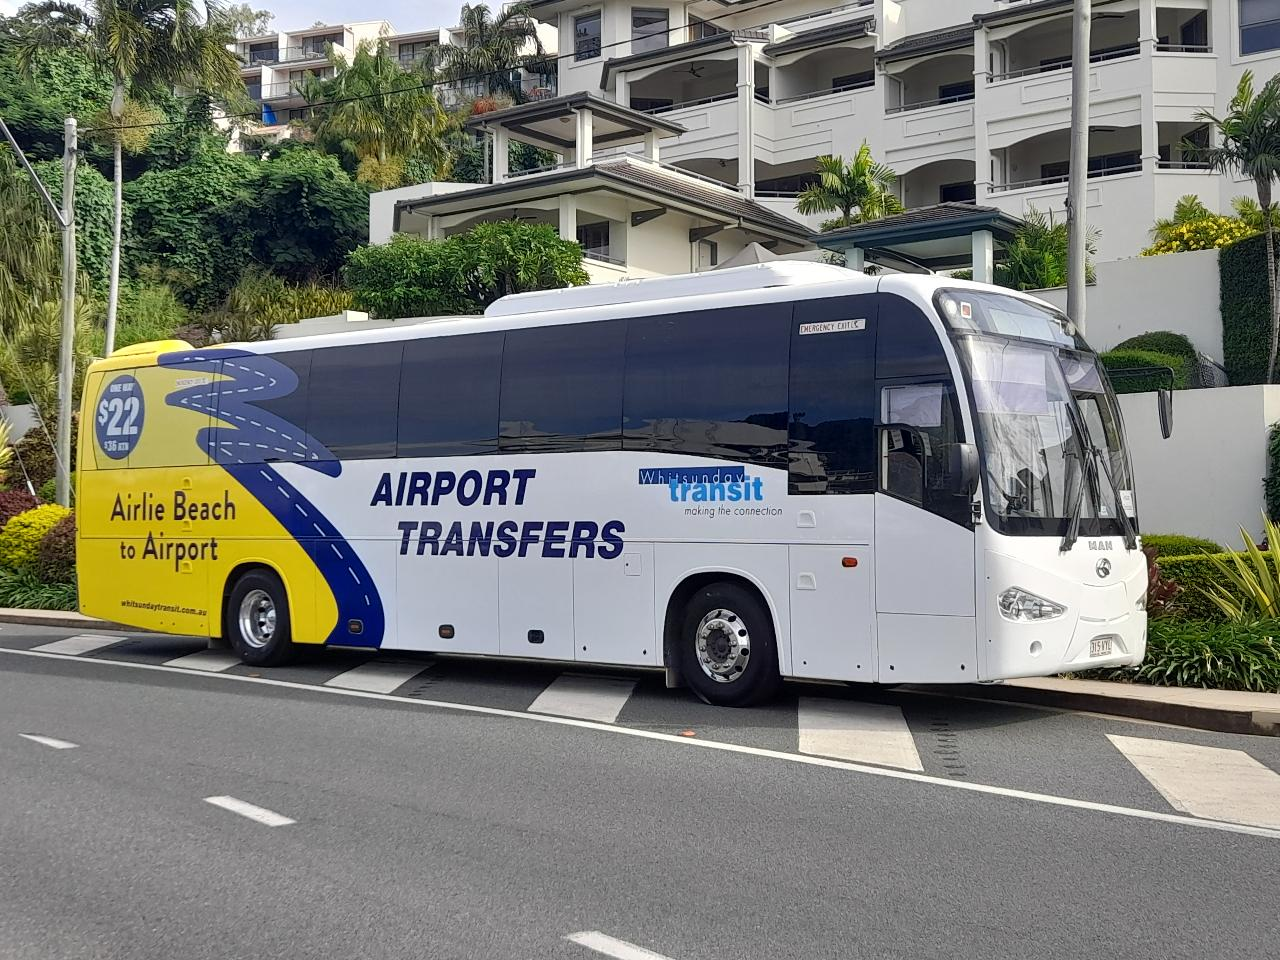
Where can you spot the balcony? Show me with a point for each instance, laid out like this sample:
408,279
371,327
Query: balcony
1010,100
279,91
302,54
255,58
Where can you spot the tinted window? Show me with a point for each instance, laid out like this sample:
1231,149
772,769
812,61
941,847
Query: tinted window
906,343
917,462
354,395
449,396
274,385
562,388
832,448
710,383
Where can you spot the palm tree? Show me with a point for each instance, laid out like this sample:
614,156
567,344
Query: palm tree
1188,209
379,114
1036,256
860,190
147,48
1249,144
493,50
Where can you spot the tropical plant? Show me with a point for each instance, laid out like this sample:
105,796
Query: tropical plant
377,113
1249,587
56,556
1206,233
1161,591
1188,209
261,301
24,589
146,47
1248,211
860,190
1220,656
1036,257
21,536
1248,137
493,51
14,502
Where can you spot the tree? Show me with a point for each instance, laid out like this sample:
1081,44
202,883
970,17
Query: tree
246,21
461,274
493,51
1036,257
146,47
1188,209
378,114
1248,138
859,190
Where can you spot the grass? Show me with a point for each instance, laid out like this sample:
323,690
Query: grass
24,590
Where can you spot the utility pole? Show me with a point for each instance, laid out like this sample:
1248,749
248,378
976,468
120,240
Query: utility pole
1078,182
66,218
66,351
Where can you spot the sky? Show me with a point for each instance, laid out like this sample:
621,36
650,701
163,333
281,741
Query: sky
405,15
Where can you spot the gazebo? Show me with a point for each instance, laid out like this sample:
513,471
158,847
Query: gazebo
945,236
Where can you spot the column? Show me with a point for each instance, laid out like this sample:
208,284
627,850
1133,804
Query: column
981,147
583,144
568,217
1147,43
622,90
746,124
501,154
651,146
984,256
855,258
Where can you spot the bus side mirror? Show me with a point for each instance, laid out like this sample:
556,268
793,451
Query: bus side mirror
1164,405
964,468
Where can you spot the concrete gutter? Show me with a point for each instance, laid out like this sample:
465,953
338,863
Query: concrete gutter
1226,711
57,618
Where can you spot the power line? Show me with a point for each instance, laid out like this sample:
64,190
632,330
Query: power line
430,86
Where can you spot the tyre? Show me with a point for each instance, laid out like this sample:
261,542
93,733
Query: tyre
257,620
728,651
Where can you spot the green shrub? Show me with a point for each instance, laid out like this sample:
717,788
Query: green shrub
25,590
33,457
1221,656
1162,341
49,489
1119,360
1205,233
1178,545
56,555
20,539
1195,574
1246,320
1271,483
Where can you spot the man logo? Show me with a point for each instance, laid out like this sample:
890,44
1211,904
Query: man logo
1103,568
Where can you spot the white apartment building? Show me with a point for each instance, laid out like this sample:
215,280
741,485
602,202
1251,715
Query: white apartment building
967,100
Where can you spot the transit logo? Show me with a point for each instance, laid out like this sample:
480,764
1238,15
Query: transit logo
705,484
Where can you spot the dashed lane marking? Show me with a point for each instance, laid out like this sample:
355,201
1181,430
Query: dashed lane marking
983,789
1211,782
612,946
78,645
861,732
379,676
588,698
258,814
49,741
208,661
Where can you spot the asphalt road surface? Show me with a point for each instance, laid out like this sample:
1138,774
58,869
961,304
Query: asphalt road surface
161,801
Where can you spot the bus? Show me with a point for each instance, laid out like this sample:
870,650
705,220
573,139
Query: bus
786,470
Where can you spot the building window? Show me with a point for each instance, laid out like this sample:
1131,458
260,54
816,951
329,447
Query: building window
1259,25
316,45
955,92
594,238
415,52
963,192
851,81
701,29
586,36
648,30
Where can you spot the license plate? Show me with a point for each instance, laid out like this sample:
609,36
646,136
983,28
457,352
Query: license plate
1100,647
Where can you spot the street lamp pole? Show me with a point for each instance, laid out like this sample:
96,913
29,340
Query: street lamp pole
1078,182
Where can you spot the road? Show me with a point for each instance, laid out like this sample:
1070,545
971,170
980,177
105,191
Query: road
157,801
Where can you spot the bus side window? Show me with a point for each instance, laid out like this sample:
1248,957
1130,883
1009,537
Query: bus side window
562,388
907,344
241,390
352,407
832,430
449,396
710,383
921,423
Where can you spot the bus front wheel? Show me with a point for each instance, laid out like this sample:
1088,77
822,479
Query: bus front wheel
257,620
728,650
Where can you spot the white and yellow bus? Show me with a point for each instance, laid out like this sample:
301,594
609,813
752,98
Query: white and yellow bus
787,470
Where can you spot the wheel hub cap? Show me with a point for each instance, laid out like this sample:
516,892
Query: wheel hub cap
257,618
723,646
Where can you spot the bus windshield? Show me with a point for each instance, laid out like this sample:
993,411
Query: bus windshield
1043,408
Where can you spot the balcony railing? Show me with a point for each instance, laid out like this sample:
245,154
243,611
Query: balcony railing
1115,53
602,255
545,168
791,21
278,91
1050,181
292,54
1182,165
924,104
263,56
1184,48
842,88
667,108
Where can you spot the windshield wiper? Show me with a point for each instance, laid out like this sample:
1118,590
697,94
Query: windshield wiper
1077,506
1130,535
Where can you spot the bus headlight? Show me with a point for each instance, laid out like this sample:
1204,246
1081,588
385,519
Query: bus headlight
1018,604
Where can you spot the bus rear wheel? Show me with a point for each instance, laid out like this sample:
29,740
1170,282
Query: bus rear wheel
257,620
728,651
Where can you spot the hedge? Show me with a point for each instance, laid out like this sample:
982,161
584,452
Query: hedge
1193,574
1115,360
1178,545
1271,483
1246,323
1162,341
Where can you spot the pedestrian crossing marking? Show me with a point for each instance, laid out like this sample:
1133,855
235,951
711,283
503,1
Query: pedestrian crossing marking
860,732
208,661
379,676
587,698
78,645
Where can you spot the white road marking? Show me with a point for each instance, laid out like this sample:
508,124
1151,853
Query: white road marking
612,947
49,741
862,732
208,661
78,645
717,745
1210,782
260,814
379,676
589,698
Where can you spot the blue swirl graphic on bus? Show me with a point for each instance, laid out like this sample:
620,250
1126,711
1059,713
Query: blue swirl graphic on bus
247,437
